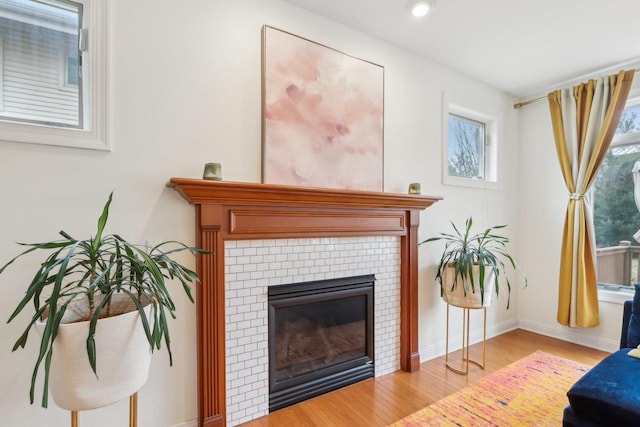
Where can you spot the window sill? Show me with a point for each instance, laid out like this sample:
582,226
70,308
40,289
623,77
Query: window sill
470,182
618,296
48,135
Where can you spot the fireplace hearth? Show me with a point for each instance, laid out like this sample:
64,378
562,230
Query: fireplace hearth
320,337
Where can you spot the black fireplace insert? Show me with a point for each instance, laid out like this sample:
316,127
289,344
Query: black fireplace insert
320,337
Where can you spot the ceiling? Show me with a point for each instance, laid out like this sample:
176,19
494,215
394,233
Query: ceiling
520,46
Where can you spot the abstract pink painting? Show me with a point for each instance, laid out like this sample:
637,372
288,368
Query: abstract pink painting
323,114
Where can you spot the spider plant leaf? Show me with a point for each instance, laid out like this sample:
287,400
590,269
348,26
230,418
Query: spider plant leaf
143,316
102,221
431,239
38,282
22,340
167,339
93,323
45,387
45,345
91,351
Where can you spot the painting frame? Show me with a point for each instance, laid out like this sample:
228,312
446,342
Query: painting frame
322,115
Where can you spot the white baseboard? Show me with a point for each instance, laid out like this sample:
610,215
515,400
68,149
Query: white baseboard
438,349
190,423
567,334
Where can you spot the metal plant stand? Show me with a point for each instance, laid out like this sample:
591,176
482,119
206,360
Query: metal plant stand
465,341
133,412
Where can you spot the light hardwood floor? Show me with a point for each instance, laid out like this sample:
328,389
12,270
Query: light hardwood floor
384,400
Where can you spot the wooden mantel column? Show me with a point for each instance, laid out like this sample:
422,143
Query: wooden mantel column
249,211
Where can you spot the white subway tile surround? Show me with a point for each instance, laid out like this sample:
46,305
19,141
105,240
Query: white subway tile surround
253,265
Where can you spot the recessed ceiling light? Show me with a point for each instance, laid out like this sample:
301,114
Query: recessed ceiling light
419,8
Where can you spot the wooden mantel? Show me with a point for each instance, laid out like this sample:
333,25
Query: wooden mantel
249,211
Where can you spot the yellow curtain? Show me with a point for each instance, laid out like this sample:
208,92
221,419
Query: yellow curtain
584,120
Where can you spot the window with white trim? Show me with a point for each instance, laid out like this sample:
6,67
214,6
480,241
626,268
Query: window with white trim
616,216
53,80
470,148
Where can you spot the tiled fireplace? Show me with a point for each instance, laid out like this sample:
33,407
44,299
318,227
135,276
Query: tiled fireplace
252,266
265,235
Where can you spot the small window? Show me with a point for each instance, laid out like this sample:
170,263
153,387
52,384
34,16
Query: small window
53,72
616,196
470,148
466,141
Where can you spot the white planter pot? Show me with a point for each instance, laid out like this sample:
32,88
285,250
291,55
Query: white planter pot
123,358
458,298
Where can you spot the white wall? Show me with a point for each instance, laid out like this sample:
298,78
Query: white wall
185,90
543,201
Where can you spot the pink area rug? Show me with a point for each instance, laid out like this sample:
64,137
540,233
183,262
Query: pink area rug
529,392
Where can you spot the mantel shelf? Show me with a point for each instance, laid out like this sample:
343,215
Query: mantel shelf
199,191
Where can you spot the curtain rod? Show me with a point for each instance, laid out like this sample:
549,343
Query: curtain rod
519,105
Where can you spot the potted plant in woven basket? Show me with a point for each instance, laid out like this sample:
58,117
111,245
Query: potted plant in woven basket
471,264
100,306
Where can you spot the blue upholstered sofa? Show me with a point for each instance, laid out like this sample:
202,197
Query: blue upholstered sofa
609,394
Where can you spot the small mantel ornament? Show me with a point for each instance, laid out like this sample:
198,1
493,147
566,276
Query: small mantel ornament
212,171
414,188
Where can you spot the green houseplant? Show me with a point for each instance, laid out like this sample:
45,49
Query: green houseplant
473,261
82,283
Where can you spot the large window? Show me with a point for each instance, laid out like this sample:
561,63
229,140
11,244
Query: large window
616,214
53,72
469,147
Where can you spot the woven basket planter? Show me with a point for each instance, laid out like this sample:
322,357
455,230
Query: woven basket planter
458,297
122,364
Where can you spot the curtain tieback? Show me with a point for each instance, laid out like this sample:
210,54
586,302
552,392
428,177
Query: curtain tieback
576,196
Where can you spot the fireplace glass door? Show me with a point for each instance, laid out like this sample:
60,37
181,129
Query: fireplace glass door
320,337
